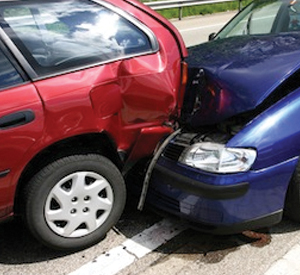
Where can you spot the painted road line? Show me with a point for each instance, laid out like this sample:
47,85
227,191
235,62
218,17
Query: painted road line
202,27
288,264
132,249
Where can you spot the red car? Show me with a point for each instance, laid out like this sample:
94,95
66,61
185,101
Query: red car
87,89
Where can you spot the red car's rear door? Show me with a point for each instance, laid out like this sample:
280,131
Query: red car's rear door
21,123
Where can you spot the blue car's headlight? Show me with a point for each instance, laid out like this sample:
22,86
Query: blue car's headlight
217,158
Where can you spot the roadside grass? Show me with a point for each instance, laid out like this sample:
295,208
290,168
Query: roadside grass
201,10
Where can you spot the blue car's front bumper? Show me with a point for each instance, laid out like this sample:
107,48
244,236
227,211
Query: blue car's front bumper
221,203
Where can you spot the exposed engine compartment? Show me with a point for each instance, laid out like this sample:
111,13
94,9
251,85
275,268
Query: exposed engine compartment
222,131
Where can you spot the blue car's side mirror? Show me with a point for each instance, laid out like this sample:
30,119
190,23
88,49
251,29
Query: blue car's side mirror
211,36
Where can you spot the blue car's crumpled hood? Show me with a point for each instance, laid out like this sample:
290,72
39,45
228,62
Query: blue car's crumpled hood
248,69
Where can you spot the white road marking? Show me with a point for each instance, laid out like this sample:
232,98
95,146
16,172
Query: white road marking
201,27
288,264
132,249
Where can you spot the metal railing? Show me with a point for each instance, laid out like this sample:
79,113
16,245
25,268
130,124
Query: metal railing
169,4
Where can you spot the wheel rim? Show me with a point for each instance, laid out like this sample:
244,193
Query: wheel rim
79,204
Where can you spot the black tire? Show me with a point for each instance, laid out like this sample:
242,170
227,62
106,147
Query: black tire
73,202
292,201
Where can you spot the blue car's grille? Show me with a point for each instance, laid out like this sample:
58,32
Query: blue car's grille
175,148
173,151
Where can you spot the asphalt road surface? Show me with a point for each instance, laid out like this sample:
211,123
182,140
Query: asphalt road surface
147,244
197,29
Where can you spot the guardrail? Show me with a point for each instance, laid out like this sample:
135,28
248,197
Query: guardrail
169,4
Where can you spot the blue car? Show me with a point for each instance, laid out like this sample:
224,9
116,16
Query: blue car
234,163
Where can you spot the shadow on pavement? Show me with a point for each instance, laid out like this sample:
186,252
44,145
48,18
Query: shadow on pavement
17,246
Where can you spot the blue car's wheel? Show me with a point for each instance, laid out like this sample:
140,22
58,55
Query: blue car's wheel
292,203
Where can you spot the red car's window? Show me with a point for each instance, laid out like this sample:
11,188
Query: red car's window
9,76
60,35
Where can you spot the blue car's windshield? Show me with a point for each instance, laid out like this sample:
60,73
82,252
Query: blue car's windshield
264,17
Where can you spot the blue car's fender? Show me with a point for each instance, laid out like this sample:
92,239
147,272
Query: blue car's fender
275,133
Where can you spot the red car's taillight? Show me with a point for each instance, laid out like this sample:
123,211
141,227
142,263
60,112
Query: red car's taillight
184,78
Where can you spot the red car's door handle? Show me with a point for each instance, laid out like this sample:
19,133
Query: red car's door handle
16,119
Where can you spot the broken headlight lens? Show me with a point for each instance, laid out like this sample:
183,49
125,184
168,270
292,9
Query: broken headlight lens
217,158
